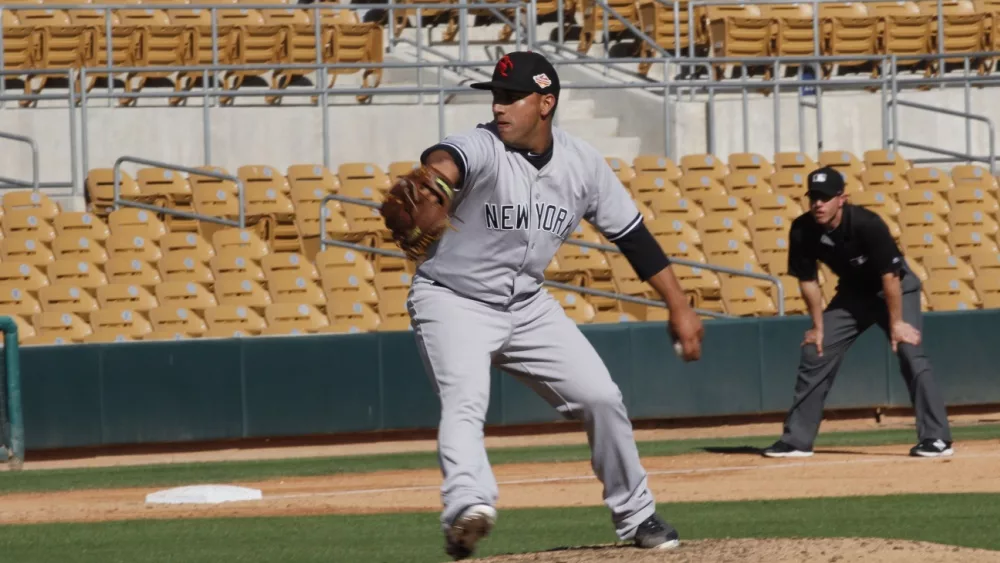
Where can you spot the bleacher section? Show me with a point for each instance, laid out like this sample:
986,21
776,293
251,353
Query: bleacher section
105,275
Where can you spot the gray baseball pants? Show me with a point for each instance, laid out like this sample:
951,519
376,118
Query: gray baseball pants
534,341
845,318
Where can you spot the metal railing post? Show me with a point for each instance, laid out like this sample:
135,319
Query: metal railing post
11,404
33,146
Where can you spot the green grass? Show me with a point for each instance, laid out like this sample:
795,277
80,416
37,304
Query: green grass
243,471
965,519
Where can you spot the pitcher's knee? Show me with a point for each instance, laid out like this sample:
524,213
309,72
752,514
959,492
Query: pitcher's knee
599,402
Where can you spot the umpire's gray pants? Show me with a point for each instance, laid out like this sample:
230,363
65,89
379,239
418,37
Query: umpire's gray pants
847,316
534,341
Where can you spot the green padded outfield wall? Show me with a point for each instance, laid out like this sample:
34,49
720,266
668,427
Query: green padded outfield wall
146,392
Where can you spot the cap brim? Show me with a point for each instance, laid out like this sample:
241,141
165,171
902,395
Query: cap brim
499,85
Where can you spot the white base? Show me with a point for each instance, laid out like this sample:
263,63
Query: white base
203,494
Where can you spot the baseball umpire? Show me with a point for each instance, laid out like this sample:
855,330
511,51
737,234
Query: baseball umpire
516,188
875,286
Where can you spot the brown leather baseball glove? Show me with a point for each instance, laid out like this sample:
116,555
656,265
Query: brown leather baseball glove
416,210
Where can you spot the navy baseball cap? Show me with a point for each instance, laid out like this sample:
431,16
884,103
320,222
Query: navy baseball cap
523,71
825,183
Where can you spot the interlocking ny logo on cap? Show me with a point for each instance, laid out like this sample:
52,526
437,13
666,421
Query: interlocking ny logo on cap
504,65
820,177
542,80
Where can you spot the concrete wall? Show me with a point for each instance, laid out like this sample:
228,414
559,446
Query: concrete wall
384,133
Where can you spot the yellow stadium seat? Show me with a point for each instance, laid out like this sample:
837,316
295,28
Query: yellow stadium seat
929,178
27,223
798,161
658,166
81,223
877,201
681,208
122,321
972,197
882,160
742,299
289,287
787,206
18,301
241,291
22,274
245,241
133,246
37,201
132,222
173,320
948,267
80,248
746,184
345,259
66,325
699,185
721,223
341,285
301,316
985,263
729,205
950,295
965,241
189,295
78,273
924,199
847,163
346,313
790,182
230,264
884,180
118,296
187,244
133,271
971,217
26,249
920,221
401,168
233,317
67,299
704,165
988,290
973,175
919,245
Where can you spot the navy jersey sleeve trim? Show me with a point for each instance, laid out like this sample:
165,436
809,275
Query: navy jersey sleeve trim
632,225
643,252
456,154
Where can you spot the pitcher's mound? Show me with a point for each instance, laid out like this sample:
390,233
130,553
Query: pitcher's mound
845,550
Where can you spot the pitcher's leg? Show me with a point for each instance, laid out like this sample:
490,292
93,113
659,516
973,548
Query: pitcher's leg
456,339
928,402
548,353
843,321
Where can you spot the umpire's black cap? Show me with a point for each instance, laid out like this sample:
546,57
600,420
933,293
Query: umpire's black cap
523,71
825,183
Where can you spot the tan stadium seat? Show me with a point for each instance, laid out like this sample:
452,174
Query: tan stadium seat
764,221
288,262
574,304
681,208
792,30
132,271
362,181
919,245
750,163
18,43
78,247
881,159
364,219
920,221
883,180
743,299
341,285
118,296
173,319
877,201
613,317
187,244
189,295
721,223
704,165
198,43
790,183
263,175
37,201
100,185
847,163
622,169
122,321
133,246
800,162
162,44
289,287
272,209
217,203
81,223
246,242
972,217
929,178
769,245
27,222
964,29
108,337
745,184
26,249
716,245
130,222
701,284
21,274
233,318
965,241
400,168
231,264
985,263
67,45
78,273
302,316
123,47
988,290
729,205
918,269
165,335
923,199
699,185
647,187
245,292
950,267
165,187
665,226
18,301
312,176
950,295
394,281
354,42
972,197
890,223
659,166
180,267
974,175
849,29
795,304
68,326
785,205
903,30
67,299
345,311
747,35
344,259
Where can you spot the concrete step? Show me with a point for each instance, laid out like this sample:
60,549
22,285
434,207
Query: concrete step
625,148
590,128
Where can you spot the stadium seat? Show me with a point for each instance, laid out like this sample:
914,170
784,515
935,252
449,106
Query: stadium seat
67,299
345,313
131,222
949,267
924,199
973,175
174,320
289,287
81,223
284,317
923,221
964,241
223,320
26,249
66,325
188,295
78,273
187,244
25,199
118,296
133,246
988,290
742,299
121,321
928,178
133,271
185,268
950,295
21,274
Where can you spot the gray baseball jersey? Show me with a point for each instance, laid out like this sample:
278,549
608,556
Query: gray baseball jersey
477,301
511,218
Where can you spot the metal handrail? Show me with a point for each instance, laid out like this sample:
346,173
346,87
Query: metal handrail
991,160
324,214
34,161
117,201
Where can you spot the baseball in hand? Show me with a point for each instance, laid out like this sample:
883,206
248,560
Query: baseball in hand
678,348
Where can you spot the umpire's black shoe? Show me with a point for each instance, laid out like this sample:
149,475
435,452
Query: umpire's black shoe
782,449
932,448
654,533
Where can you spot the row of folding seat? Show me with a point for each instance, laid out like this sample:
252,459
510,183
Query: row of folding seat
63,39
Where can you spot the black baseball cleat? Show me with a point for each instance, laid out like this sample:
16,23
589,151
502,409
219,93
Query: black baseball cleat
931,447
654,533
782,449
472,525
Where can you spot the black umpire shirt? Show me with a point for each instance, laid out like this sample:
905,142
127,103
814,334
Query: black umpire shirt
860,250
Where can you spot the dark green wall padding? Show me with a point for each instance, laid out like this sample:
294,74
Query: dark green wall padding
154,392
